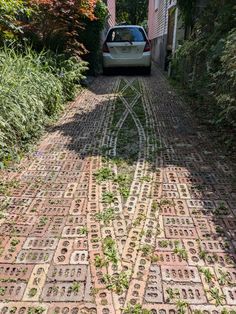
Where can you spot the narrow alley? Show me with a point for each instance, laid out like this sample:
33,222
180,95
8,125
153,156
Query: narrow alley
126,206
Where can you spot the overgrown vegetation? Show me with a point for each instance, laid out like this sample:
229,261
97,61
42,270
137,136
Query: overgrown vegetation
33,87
90,35
117,283
41,44
132,12
205,64
135,309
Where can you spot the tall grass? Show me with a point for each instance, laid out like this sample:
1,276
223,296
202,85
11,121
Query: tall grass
33,89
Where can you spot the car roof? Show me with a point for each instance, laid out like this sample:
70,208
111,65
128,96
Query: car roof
123,26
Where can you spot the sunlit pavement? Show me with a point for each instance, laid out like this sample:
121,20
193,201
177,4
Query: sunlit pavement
125,205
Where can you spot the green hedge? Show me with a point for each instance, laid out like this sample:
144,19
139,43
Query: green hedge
33,89
205,66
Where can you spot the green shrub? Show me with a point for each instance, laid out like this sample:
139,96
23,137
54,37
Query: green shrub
205,65
70,72
9,11
224,82
33,88
90,36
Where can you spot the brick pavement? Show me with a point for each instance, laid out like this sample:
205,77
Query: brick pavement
125,206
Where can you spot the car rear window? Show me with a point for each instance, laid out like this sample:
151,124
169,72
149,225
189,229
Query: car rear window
121,34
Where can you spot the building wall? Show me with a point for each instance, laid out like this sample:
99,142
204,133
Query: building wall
152,20
111,4
157,29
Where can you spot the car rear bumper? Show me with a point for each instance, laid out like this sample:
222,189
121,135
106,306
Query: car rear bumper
110,62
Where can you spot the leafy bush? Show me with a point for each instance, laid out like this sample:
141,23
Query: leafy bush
224,82
54,24
9,11
205,66
33,88
70,72
90,36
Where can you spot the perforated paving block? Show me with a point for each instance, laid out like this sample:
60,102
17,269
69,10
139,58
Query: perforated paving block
178,221
162,308
193,294
169,258
12,291
36,283
171,222
11,249
72,308
67,273
34,256
63,252
73,232
15,230
40,243
212,309
181,232
141,268
23,307
180,274
153,292
230,293
135,292
15,271
63,292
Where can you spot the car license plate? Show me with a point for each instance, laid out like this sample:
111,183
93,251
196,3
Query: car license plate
125,49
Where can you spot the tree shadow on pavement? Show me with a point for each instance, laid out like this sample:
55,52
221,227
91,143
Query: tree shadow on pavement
194,190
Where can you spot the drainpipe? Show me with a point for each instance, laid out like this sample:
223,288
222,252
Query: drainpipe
165,29
175,30
174,37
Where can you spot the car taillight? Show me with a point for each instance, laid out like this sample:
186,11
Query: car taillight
147,47
105,48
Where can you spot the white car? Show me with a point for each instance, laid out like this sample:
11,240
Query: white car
126,46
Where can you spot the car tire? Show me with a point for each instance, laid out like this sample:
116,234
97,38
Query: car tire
106,71
147,70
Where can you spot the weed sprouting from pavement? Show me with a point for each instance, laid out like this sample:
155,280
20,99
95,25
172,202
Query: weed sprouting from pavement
35,310
104,174
163,243
109,250
43,221
7,186
135,309
202,253
83,231
75,287
215,296
181,306
146,249
207,274
100,262
224,278
123,181
108,198
106,216
172,294
117,283
32,292
14,242
181,252
2,291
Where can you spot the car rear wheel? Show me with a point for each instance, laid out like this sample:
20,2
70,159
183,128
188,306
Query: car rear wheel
106,71
147,70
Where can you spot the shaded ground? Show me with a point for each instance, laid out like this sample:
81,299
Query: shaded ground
125,206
